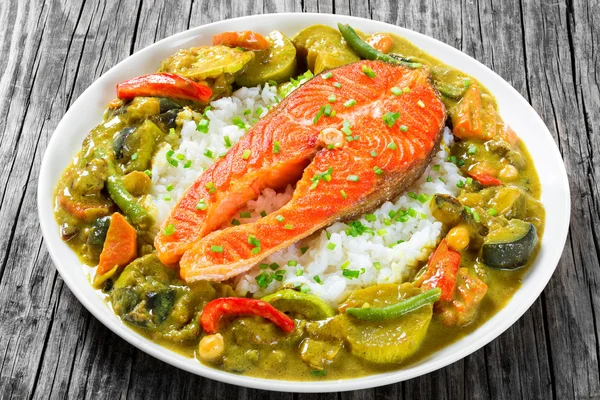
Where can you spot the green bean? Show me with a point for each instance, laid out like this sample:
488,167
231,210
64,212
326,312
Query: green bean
127,203
365,50
396,310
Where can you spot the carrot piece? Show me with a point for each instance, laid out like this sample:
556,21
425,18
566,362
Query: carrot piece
120,246
441,271
83,211
461,309
485,179
246,40
382,42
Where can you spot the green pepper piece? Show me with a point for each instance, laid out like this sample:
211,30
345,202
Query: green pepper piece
312,307
398,309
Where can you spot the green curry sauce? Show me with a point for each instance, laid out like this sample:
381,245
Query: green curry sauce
151,298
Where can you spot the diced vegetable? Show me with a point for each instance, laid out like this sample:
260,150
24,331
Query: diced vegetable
234,306
120,245
84,209
163,85
277,63
307,305
510,202
127,203
323,48
462,309
98,231
390,340
245,39
381,42
441,271
511,246
396,310
318,353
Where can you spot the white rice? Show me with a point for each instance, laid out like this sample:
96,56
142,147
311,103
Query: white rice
391,254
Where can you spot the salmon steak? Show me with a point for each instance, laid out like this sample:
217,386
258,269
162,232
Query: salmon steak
350,138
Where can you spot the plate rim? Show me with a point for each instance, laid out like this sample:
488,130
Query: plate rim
48,227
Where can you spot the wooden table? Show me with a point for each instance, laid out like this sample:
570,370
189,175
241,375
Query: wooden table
50,346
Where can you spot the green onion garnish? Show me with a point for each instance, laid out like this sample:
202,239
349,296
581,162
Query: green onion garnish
303,250
292,263
373,153
492,212
216,249
332,98
472,149
201,205
405,89
169,230
276,147
377,265
327,75
390,118
246,154
245,214
343,193
392,146
377,170
403,128
368,71
210,186
208,153
280,218
350,103
263,213
203,126
337,85
396,91
331,246
353,178
237,121
227,141
370,217
317,279
288,226
351,274
235,222
187,164
421,104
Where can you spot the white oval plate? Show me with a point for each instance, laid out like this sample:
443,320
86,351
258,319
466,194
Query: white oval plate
87,111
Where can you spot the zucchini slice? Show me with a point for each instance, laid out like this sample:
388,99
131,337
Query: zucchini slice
511,246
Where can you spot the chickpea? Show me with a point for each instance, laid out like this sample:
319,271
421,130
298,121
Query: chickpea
458,238
508,173
211,347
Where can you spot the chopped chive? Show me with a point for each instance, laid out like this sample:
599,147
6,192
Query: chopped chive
423,198
299,272
328,235
392,146
460,184
390,118
237,121
405,89
343,193
173,162
377,170
172,131
280,218
187,164
492,212
255,250
319,115
134,156
396,91
245,214
469,181
303,250
403,128
421,104
332,98
263,280
258,111
350,103
331,246
327,75
169,230
246,154
472,149
353,178
263,213
167,197
377,265
368,71
227,141
203,126
346,127
216,249
288,226
327,110
274,266
428,178
337,85
351,274
373,153
476,216
210,186
208,153
460,162
148,172
317,279
292,263
436,167
370,217
247,112
170,187
412,195
381,232
201,205
235,222
467,82
442,179
276,147
180,157
263,266
253,240
345,265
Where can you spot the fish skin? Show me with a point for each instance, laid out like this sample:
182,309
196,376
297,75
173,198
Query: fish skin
312,209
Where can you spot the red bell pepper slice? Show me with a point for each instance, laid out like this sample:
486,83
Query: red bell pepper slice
441,271
485,179
231,306
462,308
246,40
163,85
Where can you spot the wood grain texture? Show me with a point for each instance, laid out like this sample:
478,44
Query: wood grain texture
51,347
